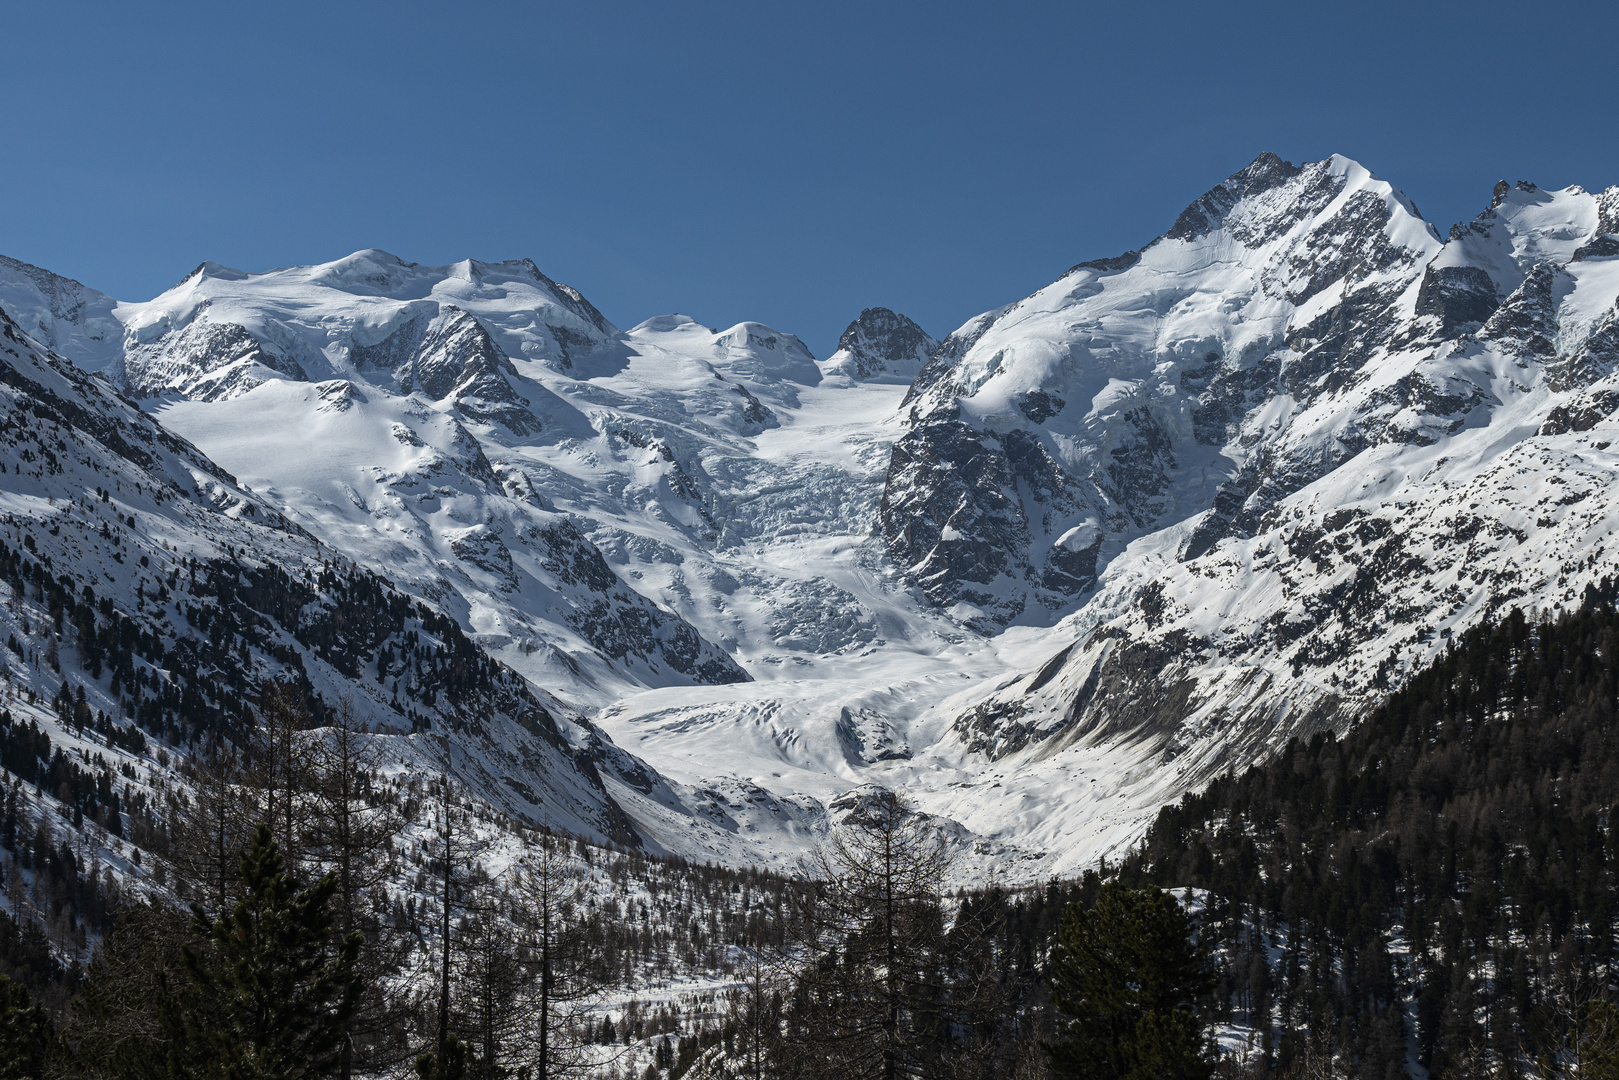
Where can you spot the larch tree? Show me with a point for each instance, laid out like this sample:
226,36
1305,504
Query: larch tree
567,975
352,822
873,1002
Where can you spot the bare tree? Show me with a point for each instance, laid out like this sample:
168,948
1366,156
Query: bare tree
116,1026
208,833
459,873
352,820
1587,1025
276,764
567,977
756,1005
491,979
874,1003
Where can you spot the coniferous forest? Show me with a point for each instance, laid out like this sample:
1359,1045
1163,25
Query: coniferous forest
1435,889
1429,894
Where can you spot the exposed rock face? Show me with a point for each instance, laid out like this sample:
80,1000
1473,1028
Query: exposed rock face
449,356
205,361
1122,398
882,344
1456,296
1309,452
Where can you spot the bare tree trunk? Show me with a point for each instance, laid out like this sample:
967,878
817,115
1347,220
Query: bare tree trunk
567,976
352,825
444,928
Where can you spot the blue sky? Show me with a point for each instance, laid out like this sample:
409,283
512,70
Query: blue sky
790,163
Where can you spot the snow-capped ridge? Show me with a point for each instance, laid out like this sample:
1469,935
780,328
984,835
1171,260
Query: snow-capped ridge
881,344
1164,348
61,313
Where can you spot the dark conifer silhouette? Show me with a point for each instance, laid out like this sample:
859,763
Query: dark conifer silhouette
1128,975
269,991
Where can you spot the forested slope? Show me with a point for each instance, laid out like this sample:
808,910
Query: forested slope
1444,872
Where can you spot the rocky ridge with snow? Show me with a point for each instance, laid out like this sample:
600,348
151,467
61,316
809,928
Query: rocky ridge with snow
1044,575
882,344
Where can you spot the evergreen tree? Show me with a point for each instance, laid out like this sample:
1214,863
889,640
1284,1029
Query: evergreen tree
269,992
1128,974
449,1062
27,1039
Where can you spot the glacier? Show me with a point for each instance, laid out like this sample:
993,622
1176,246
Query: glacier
1042,576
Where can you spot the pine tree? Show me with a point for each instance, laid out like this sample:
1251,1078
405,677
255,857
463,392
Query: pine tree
1128,973
269,994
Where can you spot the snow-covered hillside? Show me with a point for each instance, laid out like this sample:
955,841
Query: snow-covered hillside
1362,443
1136,527
144,581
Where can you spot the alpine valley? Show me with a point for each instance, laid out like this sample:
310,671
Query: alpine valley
693,591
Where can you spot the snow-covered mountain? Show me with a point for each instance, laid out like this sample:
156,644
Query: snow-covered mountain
882,344
1308,441
170,594
1042,576
62,314
144,581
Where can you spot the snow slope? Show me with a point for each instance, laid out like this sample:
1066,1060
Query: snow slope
1422,472
1139,526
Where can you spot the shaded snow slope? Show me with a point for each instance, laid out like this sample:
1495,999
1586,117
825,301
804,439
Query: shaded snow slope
62,314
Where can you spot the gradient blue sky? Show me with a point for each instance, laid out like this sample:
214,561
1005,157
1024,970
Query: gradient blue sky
790,163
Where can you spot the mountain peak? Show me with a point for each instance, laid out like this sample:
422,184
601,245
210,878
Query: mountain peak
1263,173
882,344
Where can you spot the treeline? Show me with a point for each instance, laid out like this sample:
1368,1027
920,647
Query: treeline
1436,884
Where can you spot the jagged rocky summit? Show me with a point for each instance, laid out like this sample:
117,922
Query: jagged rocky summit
1044,575
882,344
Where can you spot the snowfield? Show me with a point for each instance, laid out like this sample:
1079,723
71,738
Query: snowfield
1043,576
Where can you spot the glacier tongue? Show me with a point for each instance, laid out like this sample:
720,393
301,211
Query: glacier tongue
1135,528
